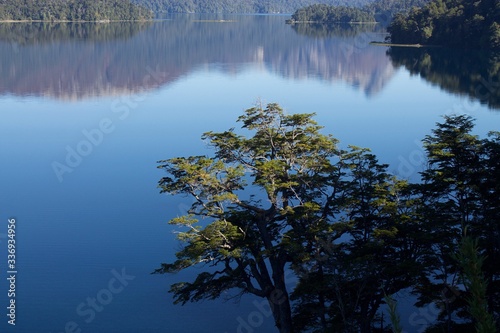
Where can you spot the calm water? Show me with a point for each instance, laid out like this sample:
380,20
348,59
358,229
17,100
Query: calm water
86,111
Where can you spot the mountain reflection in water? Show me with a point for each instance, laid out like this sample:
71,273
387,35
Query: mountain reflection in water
77,61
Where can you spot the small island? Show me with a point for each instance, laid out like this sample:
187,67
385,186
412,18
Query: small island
451,23
322,13
72,11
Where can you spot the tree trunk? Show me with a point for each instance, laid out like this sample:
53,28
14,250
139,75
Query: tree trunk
281,309
279,299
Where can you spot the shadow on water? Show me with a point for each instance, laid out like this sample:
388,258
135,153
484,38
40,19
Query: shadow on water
475,74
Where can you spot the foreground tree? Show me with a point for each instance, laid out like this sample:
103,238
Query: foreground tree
344,280
459,190
285,204
250,237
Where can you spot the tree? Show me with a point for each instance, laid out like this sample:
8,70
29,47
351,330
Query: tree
460,194
73,10
449,189
370,249
456,23
287,202
250,238
471,264
487,230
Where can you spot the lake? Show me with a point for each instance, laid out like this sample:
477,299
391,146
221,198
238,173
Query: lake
88,109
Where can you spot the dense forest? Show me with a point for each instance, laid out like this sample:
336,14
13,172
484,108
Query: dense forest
380,7
73,10
87,10
341,227
241,6
331,14
455,23
380,11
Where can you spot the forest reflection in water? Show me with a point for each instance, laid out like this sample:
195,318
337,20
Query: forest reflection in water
76,61
471,73
81,60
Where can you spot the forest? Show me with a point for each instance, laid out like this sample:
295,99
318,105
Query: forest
454,23
273,6
321,13
86,10
327,235
231,6
72,10
380,11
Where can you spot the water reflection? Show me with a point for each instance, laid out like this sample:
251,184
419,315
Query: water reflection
475,74
346,55
75,61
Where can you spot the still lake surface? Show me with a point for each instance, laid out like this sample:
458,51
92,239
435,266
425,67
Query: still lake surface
86,111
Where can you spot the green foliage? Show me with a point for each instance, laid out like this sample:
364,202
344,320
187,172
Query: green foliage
394,315
456,189
456,23
322,13
384,10
231,6
250,238
471,264
333,215
380,11
338,223
72,10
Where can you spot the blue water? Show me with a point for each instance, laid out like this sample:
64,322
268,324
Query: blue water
78,164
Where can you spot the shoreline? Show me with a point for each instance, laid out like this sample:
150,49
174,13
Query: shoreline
402,45
322,22
70,21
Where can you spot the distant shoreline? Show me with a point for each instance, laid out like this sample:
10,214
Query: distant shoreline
215,21
71,21
323,22
402,45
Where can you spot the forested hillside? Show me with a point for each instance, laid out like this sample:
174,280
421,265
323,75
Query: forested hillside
331,14
72,10
89,10
456,23
239,6
272,6
379,11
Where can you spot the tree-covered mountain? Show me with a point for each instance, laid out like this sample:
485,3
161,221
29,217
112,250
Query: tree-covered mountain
73,10
380,11
239,6
455,23
272,6
385,9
